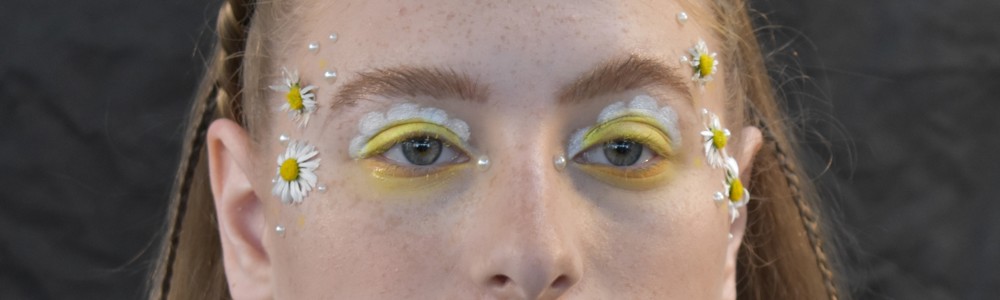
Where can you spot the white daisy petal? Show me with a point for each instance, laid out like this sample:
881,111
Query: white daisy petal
309,178
295,185
307,96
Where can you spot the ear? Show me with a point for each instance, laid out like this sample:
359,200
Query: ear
749,143
239,212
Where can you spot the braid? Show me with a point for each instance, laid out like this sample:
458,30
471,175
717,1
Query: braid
809,218
234,17
220,99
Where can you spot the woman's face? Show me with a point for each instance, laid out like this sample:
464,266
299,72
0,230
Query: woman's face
409,211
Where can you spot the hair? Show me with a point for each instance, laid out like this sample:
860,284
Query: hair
784,255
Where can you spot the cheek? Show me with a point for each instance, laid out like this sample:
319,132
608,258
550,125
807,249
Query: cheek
343,248
672,243
353,243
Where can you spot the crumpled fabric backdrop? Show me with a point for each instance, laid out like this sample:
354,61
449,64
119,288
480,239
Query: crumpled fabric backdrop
900,97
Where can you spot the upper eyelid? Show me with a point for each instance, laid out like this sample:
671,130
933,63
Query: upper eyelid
438,131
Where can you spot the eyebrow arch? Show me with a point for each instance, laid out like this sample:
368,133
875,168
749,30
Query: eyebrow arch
413,82
623,74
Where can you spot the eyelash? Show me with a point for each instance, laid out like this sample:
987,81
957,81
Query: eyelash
389,147
647,169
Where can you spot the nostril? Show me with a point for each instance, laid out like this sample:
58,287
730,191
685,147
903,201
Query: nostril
562,282
499,280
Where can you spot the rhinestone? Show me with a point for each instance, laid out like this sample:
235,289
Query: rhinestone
560,162
330,75
483,163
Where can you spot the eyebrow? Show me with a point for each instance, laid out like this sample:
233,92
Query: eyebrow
614,76
413,82
623,74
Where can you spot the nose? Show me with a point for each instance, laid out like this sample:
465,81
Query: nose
523,239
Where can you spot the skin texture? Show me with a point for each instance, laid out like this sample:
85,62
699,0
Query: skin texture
520,229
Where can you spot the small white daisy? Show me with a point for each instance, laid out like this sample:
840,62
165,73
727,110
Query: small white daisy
736,194
715,138
296,173
704,63
300,102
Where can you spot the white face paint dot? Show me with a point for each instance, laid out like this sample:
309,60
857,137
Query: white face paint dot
321,188
483,163
333,37
280,230
283,138
330,75
314,46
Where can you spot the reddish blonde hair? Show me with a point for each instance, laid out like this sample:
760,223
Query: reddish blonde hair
784,253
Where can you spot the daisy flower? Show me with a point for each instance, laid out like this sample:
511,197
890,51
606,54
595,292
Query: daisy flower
704,63
300,102
296,173
736,194
715,138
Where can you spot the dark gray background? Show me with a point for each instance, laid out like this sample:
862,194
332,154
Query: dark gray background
900,95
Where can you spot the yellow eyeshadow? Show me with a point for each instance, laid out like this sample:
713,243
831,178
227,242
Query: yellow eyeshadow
392,175
631,178
394,134
636,128
641,129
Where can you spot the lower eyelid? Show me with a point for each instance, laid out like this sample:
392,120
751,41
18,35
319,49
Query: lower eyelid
383,168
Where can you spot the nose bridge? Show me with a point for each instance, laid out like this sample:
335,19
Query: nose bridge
524,226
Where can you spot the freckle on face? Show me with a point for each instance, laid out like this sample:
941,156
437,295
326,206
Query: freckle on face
521,216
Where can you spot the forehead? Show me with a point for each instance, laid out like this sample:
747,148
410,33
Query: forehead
508,44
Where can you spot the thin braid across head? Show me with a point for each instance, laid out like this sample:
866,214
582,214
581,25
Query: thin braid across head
809,218
231,27
220,100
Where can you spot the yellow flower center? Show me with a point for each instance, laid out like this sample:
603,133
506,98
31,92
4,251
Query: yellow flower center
736,190
294,97
718,138
705,63
289,169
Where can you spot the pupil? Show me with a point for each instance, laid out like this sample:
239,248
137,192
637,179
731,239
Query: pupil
422,151
622,152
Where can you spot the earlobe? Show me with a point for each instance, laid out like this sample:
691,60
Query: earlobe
749,143
239,212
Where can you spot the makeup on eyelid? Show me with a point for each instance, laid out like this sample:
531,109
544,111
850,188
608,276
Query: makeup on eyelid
641,107
632,146
436,121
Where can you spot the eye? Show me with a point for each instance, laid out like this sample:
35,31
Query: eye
423,151
618,153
